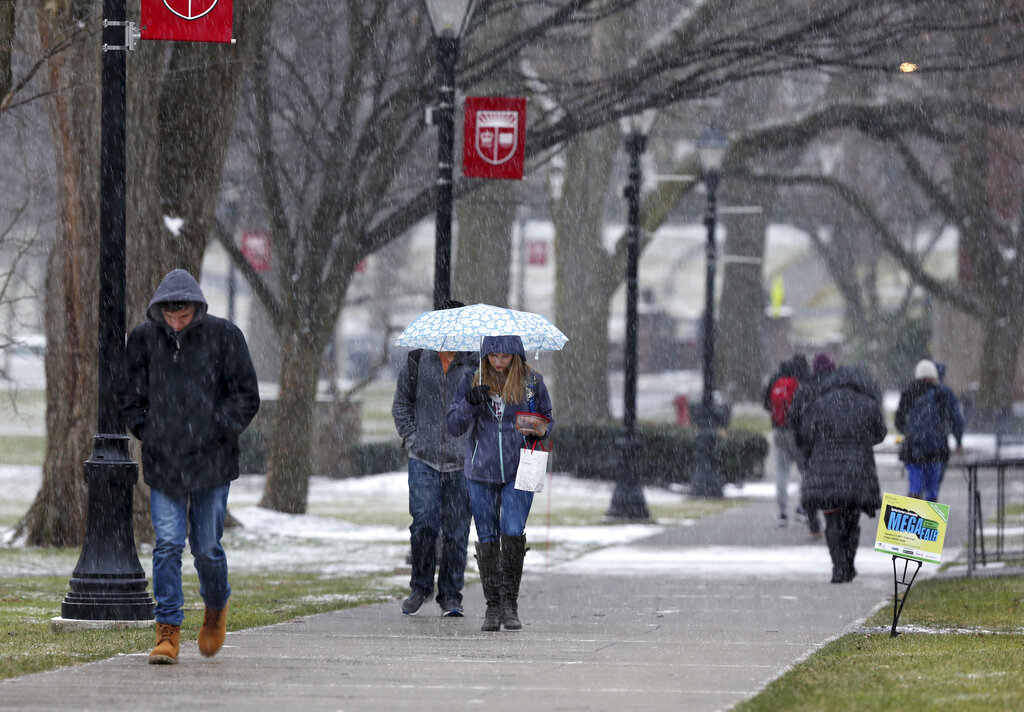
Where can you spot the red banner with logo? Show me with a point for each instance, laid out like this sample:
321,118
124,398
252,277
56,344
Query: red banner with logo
494,137
256,250
186,20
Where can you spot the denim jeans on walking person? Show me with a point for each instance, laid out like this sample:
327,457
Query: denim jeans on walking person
923,480
439,505
787,454
499,509
199,516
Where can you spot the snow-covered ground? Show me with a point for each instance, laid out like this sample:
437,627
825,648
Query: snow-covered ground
361,526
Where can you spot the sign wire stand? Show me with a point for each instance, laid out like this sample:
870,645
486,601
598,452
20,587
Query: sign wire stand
898,580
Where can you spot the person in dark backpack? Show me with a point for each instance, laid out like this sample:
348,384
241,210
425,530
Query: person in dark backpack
778,401
925,416
438,496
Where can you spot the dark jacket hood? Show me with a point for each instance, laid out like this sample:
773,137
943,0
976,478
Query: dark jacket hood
506,344
854,378
177,286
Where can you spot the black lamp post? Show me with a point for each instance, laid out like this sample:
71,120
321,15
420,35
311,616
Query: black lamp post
707,480
448,19
628,495
108,583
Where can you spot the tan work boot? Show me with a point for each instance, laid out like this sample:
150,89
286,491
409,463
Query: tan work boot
168,642
215,627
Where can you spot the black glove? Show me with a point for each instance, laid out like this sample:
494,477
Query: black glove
478,394
532,440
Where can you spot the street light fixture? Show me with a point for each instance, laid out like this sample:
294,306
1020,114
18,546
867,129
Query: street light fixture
108,582
628,496
707,480
448,19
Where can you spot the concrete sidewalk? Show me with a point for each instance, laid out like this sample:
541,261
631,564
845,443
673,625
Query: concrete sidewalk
637,639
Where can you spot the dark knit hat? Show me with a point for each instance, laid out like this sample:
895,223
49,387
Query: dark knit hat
823,363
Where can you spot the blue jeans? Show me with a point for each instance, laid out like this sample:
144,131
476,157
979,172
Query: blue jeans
439,505
200,517
499,509
924,480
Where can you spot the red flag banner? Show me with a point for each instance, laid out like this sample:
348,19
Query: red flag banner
186,20
494,137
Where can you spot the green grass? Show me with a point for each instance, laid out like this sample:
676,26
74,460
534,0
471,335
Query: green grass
29,644
960,672
969,660
23,449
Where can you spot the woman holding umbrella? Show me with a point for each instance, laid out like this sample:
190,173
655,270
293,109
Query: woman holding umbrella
485,404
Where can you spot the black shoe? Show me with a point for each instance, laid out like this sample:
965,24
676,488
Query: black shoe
412,604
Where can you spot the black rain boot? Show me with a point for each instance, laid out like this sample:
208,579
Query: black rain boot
488,561
513,549
836,546
852,540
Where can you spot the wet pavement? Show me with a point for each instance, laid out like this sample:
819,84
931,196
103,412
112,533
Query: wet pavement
697,618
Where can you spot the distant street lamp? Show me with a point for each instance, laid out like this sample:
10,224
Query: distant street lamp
108,582
707,480
448,19
628,496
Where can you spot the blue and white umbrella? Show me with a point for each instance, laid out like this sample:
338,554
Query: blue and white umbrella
463,329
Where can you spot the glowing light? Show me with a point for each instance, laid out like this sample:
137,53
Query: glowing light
908,67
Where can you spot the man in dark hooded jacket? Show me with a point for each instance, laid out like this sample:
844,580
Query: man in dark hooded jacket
840,427
189,392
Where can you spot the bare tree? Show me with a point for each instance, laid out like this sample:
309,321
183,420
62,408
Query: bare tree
182,99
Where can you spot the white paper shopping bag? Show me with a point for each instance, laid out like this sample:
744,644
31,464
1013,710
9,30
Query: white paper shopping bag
533,467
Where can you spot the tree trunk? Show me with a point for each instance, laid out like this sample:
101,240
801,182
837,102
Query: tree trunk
587,275
290,448
188,121
486,216
482,271
57,516
740,329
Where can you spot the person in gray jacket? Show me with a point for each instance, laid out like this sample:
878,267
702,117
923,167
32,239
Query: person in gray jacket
438,497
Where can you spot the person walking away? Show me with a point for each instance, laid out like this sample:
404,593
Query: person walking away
821,367
841,427
189,391
778,401
925,415
485,407
438,498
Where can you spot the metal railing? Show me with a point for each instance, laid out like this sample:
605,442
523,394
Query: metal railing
975,517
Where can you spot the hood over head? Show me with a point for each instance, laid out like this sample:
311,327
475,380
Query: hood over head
854,378
177,286
506,344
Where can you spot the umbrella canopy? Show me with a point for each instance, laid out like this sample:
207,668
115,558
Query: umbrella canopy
464,328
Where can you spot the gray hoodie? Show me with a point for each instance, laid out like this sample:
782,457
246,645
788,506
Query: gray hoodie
421,404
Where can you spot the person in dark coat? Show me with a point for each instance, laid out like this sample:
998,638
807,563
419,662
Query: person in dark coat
438,498
821,367
840,428
485,406
925,415
190,390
